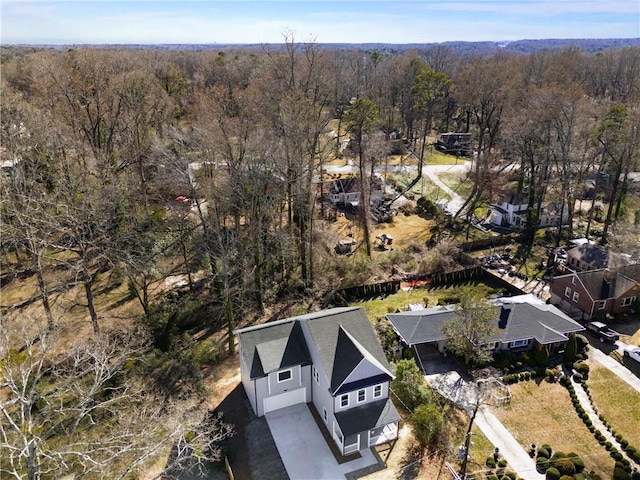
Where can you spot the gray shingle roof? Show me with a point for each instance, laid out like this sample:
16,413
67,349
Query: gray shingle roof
273,346
337,352
367,417
597,256
515,321
343,337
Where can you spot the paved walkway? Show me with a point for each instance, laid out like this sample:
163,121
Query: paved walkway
617,368
462,392
456,201
519,461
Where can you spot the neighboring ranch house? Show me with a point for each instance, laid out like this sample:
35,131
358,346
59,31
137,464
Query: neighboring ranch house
347,191
331,359
511,212
522,322
589,256
597,293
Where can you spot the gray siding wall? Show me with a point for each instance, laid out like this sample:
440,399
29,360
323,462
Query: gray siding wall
248,385
269,386
262,390
353,397
320,395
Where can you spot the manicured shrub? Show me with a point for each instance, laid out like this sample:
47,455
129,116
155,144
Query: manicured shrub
490,462
542,356
558,454
582,344
564,465
571,349
510,475
543,452
564,381
577,461
542,464
578,377
620,474
567,477
502,463
552,474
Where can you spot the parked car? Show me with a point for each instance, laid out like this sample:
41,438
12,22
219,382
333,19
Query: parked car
603,332
632,352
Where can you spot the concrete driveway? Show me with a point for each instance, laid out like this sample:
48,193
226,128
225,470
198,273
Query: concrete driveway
303,450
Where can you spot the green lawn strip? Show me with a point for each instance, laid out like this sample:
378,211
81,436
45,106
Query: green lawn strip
438,158
543,413
617,401
481,447
457,182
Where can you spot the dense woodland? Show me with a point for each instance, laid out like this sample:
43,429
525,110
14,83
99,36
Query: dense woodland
98,143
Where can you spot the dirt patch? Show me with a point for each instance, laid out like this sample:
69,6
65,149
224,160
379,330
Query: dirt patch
405,229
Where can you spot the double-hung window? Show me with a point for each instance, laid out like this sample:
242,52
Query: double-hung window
362,395
344,400
377,391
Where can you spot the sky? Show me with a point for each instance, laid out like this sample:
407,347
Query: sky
321,21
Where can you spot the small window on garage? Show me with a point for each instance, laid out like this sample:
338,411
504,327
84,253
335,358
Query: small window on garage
576,296
567,292
324,414
284,375
573,280
602,305
344,400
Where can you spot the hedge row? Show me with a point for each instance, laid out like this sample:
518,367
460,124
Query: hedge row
630,450
600,438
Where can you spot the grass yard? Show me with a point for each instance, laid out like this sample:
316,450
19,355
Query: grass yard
434,157
543,413
380,306
457,183
617,401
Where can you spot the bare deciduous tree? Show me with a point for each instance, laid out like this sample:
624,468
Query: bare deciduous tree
81,410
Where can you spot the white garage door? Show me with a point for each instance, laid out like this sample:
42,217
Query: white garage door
285,399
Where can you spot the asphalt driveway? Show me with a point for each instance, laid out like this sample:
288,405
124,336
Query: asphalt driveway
303,450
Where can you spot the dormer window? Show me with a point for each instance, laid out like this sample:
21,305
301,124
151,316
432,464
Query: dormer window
284,375
377,391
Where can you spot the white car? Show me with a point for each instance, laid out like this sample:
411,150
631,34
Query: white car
632,352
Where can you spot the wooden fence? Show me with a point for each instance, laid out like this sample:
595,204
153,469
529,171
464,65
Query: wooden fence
472,273
368,291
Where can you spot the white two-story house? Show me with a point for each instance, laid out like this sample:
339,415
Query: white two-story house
330,359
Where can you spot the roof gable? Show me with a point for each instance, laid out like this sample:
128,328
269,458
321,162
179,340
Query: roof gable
273,346
344,339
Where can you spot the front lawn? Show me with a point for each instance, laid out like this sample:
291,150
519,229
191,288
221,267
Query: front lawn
617,401
543,413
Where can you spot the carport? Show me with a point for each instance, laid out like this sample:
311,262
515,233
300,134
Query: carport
303,449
